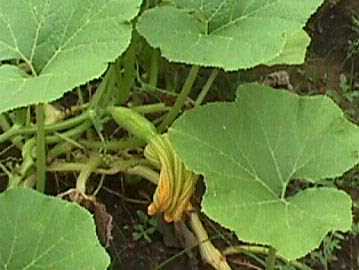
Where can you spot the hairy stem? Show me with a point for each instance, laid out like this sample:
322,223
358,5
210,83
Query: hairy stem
40,148
127,79
151,108
8,130
22,172
270,261
181,99
93,162
261,250
118,145
154,68
116,167
209,252
16,130
59,149
4,123
206,87
146,173
70,133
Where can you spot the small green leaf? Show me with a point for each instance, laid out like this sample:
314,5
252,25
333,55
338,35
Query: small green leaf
42,232
228,34
252,149
62,43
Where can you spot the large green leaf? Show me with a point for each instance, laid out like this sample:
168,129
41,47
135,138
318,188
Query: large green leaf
229,34
42,232
251,150
64,43
294,50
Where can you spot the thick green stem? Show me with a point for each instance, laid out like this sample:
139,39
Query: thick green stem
69,123
40,148
206,87
261,250
145,172
148,88
270,261
20,173
93,162
29,182
63,140
181,99
151,108
80,96
154,68
127,79
209,252
59,149
101,97
8,129
118,145
9,133
17,130
66,141
4,123
66,146
70,133
118,166
117,82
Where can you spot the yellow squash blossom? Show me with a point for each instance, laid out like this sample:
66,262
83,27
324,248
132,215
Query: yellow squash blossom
176,184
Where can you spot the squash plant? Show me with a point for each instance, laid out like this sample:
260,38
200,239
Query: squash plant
249,151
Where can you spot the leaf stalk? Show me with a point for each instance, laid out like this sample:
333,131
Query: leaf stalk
40,148
262,250
270,261
209,253
206,87
93,162
181,99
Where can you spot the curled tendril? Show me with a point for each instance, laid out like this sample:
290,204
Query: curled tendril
176,184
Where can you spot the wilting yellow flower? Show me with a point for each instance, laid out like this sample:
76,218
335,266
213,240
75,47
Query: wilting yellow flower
176,184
